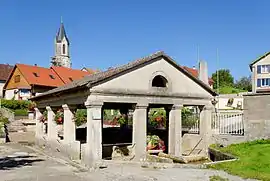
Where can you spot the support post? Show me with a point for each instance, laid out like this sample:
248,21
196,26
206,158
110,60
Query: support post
52,131
205,127
69,124
93,152
39,125
175,130
139,130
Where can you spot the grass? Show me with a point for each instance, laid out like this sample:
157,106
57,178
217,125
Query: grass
230,90
21,112
253,160
217,178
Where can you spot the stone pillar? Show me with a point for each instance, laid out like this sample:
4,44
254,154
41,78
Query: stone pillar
69,124
139,130
93,152
39,125
205,127
175,130
52,131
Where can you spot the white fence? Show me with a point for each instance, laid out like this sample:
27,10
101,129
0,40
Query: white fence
228,123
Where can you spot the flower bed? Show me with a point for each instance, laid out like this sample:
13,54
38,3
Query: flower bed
155,143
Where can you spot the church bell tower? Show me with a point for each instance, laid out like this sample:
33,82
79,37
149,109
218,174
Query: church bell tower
61,56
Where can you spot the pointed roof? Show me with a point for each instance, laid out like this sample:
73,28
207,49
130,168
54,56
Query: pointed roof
61,34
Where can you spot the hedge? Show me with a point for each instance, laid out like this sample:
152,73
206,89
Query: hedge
15,104
20,112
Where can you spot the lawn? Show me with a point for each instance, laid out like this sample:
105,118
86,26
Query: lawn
254,160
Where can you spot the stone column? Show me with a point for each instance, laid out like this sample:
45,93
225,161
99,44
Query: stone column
93,151
39,125
205,127
69,124
175,130
139,130
52,132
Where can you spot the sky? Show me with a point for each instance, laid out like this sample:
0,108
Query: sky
109,33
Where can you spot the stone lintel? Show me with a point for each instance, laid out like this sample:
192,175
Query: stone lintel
141,106
93,104
177,106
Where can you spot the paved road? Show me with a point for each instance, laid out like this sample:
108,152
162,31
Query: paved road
19,163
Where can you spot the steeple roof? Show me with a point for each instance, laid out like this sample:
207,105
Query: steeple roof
61,34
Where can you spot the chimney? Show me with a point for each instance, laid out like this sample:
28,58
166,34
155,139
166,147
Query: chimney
194,67
203,72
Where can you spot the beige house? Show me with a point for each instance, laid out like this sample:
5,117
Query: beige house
260,69
153,81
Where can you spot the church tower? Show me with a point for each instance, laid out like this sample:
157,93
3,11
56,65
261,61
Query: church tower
61,56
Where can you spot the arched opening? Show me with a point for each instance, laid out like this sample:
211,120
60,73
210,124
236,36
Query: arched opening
159,81
64,49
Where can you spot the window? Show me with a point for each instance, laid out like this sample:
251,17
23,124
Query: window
52,77
263,69
265,82
17,78
159,81
35,74
64,49
70,79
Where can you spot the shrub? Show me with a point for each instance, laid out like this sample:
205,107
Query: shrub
16,104
80,117
59,116
21,112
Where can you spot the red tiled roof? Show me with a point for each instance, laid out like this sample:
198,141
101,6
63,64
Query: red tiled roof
195,73
5,70
35,75
67,75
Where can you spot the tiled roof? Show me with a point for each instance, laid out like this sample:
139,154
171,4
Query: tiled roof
35,75
5,70
68,75
195,73
92,79
258,59
91,71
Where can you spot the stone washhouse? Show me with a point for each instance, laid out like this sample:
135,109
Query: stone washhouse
152,81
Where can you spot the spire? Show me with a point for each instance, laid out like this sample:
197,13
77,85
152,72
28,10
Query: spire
61,33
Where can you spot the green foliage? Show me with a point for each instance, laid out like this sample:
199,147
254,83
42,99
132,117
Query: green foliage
43,117
253,159
217,178
225,78
244,83
3,120
189,118
80,117
157,117
59,117
21,112
16,104
229,90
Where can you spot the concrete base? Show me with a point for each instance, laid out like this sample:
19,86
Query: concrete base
66,150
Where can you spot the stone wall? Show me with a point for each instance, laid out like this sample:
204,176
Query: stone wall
257,116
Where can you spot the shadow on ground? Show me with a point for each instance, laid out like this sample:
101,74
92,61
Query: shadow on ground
7,163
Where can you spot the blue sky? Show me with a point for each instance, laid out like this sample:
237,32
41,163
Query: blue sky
111,33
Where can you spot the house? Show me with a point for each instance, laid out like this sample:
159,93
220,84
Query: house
26,81
5,70
193,71
260,69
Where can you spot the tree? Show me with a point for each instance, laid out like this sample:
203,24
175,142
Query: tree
225,78
244,83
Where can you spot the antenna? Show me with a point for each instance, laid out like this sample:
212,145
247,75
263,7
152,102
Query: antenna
198,56
217,71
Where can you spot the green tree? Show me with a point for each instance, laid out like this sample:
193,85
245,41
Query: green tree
225,78
244,83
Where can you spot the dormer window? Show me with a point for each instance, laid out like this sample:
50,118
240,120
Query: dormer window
159,81
70,79
35,74
52,77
